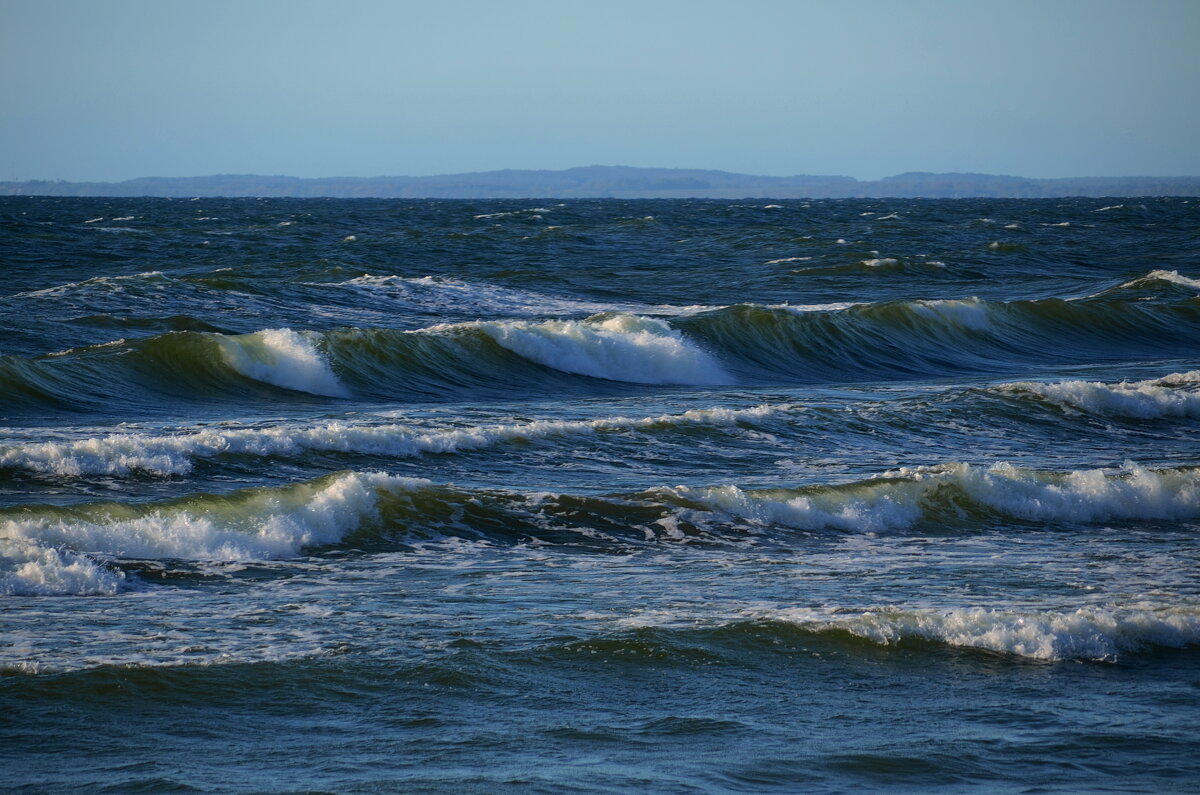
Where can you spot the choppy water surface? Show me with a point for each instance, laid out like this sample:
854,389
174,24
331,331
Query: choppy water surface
675,496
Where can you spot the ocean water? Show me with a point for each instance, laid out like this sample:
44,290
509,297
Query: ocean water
660,496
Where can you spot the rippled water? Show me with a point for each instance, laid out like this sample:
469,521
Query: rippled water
632,495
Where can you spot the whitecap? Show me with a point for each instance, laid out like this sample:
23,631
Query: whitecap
174,454
1099,633
1150,399
899,500
619,347
65,554
281,357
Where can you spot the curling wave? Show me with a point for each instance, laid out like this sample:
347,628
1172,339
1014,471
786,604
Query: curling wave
704,347
42,545
951,494
1175,395
62,550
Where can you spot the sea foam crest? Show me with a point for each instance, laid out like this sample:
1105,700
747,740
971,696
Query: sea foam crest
618,347
28,569
62,554
120,454
281,357
1173,277
1150,399
900,499
1088,633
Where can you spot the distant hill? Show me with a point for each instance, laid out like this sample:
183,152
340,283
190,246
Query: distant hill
622,182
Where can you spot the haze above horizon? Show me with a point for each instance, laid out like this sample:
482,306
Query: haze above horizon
133,88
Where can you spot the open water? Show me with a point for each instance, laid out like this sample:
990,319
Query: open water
661,496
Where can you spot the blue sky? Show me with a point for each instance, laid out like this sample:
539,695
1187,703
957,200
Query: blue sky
115,89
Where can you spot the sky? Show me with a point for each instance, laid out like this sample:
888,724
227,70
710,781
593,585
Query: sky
116,89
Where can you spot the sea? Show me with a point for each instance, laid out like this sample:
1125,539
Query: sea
668,496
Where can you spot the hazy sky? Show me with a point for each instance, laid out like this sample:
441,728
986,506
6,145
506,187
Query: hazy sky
114,89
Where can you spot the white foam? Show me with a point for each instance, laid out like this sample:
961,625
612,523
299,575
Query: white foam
803,309
900,499
1151,399
872,511
513,212
1087,633
46,555
879,262
27,569
787,259
282,357
1169,276
618,347
121,454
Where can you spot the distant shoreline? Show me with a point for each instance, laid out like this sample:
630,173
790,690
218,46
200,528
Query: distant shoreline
617,182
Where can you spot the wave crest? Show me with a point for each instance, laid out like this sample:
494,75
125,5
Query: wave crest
281,357
617,347
1151,399
901,499
1088,633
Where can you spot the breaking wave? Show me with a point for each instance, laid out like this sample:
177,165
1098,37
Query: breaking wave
62,550
703,346
951,494
43,547
121,454
1096,633
617,348
281,357
1175,395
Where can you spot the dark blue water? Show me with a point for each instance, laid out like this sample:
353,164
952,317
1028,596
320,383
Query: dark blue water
668,496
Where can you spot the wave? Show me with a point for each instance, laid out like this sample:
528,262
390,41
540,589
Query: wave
281,357
40,546
122,454
1172,277
1154,284
700,346
616,348
101,284
1174,395
1092,633
44,553
1098,633
951,494
30,569
896,339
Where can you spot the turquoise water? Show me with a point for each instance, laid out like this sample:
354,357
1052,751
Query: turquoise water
671,496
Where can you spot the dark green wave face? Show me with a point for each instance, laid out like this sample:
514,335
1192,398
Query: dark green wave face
677,496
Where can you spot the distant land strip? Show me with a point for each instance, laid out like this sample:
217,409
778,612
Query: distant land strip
618,182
